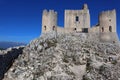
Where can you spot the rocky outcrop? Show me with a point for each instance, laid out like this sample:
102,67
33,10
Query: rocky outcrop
7,57
67,57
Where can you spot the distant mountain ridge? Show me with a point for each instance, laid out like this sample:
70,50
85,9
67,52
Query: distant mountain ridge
5,44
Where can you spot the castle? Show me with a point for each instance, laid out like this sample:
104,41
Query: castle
78,21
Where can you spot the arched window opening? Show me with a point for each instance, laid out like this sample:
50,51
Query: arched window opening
110,28
77,18
102,29
44,27
53,28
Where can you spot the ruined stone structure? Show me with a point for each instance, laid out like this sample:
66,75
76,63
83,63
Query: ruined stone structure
49,21
78,21
107,23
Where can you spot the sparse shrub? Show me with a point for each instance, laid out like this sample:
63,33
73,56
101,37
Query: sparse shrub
69,73
88,67
102,68
42,43
114,62
76,60
51,43
85,78
65,60
50,78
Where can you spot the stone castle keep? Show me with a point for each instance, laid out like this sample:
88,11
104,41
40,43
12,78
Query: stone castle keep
78,21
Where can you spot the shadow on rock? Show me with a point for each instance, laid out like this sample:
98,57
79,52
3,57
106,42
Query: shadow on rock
7,60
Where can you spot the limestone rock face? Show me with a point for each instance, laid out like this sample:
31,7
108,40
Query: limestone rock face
67,57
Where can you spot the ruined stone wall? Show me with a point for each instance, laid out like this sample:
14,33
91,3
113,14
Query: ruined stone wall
94,29
79,21
49,21
75,20
60,29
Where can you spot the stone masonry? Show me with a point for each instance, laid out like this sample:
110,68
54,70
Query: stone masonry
78,21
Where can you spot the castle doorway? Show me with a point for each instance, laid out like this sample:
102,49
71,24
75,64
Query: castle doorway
85,30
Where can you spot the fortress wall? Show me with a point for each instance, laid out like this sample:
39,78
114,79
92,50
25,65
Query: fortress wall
49,21
109,37
94,29
60,29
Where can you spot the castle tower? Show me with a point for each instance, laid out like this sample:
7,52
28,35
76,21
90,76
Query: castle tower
86,17
85,6
107,22
49,21
77,20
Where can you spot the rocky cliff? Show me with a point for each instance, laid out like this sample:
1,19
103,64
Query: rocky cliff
7,58
67,57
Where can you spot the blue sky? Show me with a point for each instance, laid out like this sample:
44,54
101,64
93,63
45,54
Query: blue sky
20,20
